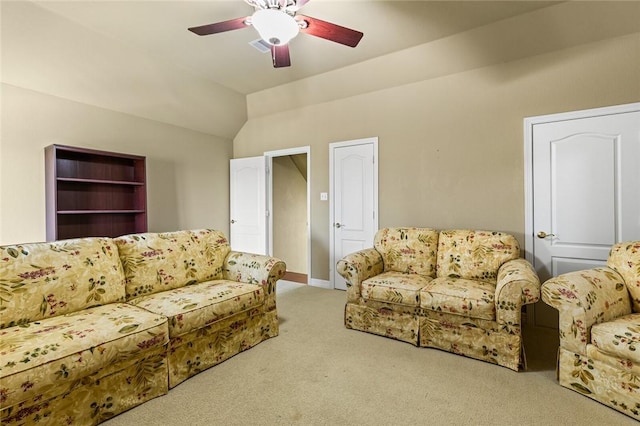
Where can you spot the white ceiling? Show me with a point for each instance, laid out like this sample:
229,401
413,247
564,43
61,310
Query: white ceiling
159,28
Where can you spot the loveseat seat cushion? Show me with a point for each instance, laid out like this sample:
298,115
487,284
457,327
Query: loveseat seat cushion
53,353
395,287
474,255
408,250
192,307
619,338
43,280
470,298
155,262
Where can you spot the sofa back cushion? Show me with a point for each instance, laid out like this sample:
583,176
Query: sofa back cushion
42,280
408,250
625,259
474,255
155,262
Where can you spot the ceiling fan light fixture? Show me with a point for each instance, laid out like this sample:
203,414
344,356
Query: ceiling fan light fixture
275,26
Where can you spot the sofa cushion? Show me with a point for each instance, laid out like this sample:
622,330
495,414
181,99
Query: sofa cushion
625,259
394,287
43,280
619,338
408,250
57,351
470,298
195,306
474,255
164,261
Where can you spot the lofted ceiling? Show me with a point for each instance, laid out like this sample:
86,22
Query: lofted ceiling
159,28
138,57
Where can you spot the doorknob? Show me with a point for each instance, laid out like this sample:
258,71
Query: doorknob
233,221
338,225
543,234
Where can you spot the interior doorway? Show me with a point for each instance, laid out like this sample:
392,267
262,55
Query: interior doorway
582,185
288,198
353,174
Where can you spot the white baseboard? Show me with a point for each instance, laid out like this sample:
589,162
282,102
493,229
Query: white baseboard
320,283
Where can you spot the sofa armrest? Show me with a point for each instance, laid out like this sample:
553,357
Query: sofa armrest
254,269
357,267
517,284
585,298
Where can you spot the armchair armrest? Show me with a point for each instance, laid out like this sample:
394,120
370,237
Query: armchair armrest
517,285
585,298
357,267
254,269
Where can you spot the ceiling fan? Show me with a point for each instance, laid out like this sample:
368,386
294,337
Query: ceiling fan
277,22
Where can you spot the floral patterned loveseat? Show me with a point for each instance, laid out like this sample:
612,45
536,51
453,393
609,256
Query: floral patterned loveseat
91,327
457,290
599,315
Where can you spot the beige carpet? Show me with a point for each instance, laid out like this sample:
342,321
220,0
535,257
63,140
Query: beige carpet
316,372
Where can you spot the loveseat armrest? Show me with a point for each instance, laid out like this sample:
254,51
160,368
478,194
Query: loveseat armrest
585,298
357,267
517,284
254,269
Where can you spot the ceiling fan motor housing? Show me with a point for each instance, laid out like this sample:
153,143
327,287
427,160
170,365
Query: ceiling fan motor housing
275,26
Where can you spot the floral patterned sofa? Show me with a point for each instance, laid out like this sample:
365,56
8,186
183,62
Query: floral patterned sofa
599,315
457,290
94,326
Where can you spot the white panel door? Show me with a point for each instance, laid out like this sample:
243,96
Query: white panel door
248,212
354,199
586,186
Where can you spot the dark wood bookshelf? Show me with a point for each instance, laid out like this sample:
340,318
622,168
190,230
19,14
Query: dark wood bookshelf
92,193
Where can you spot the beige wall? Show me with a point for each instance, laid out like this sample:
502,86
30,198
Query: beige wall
448,116
62,83
187,171
451,147
289,214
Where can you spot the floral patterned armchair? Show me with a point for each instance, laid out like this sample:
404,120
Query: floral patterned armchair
599,323
457,290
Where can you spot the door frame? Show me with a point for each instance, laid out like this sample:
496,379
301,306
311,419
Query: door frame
376,224
283,153
529,122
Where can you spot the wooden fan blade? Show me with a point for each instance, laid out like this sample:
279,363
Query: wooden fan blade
220,27
332,32
280,56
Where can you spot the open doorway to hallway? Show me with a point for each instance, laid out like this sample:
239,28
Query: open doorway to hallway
289,207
